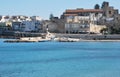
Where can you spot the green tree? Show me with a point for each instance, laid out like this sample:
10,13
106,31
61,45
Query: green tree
97,6
51,16
104,30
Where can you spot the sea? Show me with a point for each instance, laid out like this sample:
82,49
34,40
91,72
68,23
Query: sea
60,59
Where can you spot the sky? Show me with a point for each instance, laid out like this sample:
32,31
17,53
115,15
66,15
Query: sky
44,8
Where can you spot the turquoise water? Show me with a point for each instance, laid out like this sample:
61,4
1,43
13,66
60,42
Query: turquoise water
59,59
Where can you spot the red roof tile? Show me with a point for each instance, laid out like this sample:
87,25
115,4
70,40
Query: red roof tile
83,10
70,14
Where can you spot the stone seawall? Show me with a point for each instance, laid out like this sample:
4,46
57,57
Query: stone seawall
90,36
82,36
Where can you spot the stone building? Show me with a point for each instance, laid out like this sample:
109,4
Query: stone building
96,28
80,12
80,20
54,25
107,15
109,11
111,18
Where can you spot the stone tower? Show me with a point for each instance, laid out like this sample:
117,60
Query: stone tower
108,11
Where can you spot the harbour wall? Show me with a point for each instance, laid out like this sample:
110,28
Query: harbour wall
90,36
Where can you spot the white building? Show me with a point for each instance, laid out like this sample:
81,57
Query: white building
79,20
29,26
5,18
23,23
36,18
76,28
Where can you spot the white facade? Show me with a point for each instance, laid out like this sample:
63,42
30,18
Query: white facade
76,27
78,19
76,24
36,18
28,26
3,19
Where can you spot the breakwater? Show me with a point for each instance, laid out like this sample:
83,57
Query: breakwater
82,36
90,36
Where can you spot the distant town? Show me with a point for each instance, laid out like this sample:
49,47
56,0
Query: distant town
102,19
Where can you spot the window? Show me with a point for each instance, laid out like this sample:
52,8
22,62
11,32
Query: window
110,12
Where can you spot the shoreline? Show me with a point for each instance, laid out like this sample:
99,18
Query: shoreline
35,41
99,40
73,37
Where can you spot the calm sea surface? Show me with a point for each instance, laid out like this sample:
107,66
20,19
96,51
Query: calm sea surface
60,59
